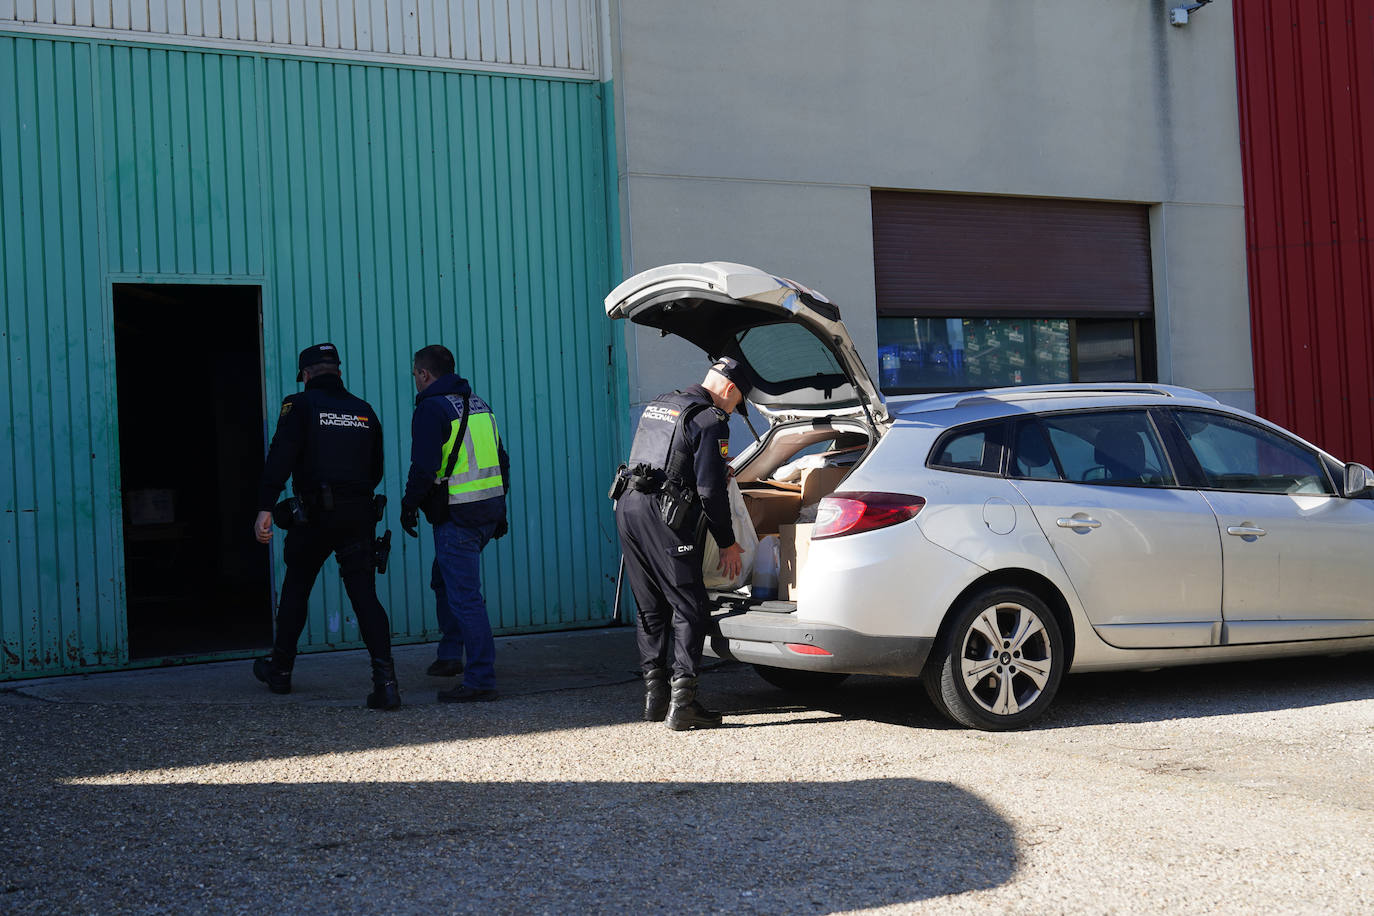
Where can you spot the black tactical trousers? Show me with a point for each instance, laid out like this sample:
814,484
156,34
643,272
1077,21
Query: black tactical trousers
348,531
665,577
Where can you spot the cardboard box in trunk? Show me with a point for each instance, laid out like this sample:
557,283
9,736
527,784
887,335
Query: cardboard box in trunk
770,508
817,483
794,541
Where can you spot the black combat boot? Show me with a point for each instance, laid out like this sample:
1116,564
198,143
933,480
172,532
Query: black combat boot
655,694
275,672
385,693
685,712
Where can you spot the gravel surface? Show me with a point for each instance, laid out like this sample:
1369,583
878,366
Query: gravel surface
1235,789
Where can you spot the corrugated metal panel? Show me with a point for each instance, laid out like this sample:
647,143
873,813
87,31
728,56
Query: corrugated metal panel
558,37
382,208
183,194
1306,87
60,559
958,255
413,207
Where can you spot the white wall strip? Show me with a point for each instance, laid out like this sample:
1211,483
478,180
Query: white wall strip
549,37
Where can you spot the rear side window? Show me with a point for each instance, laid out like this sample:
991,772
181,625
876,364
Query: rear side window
1031,457
1114,447
977,449
1236,455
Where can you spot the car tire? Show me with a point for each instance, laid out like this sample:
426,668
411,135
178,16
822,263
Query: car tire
794,681
992,687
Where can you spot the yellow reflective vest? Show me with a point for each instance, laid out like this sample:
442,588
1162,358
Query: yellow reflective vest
477,470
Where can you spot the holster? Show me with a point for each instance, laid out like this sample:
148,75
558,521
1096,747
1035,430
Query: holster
381,551
620,483
680,510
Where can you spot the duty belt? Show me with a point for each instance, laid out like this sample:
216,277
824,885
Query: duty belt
641,477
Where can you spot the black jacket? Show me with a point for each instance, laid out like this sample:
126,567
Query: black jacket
324,436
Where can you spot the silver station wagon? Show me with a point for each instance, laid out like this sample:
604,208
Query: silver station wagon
990,542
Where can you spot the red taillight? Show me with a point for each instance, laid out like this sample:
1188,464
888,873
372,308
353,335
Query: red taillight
851,513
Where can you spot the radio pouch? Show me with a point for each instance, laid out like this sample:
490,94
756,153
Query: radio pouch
290,513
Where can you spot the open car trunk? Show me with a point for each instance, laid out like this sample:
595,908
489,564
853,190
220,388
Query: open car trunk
783,478
823,410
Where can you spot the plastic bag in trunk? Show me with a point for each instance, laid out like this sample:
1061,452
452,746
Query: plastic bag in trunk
747,539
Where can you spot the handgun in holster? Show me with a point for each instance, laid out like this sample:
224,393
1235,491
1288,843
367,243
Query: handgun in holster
620,483
679,509
381,552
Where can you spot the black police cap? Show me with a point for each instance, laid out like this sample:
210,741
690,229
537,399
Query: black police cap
319,353
732,370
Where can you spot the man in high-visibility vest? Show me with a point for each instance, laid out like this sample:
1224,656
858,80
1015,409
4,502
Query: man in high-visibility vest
459,476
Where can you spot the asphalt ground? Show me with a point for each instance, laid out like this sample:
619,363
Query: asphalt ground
1231,789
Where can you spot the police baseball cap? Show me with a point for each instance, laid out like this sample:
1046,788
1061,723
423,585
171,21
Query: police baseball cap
736,373
319,353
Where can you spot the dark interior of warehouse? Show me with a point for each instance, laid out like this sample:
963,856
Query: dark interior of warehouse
188,361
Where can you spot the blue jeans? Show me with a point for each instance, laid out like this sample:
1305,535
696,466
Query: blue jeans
457,582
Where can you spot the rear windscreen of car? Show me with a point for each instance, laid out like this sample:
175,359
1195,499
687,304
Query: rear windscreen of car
786,352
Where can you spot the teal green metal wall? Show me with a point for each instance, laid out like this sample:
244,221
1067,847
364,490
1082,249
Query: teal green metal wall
380,207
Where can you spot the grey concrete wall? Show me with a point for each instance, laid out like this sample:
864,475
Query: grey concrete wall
753,132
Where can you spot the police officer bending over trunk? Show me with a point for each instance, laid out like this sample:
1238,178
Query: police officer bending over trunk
673,486
330,443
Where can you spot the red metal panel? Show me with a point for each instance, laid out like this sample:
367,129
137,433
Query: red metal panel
1305,78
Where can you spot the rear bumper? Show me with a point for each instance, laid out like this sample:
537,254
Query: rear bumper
761,638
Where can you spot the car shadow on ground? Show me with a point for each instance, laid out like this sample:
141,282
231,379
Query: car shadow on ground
1198,691
783,847
891,700
1192,691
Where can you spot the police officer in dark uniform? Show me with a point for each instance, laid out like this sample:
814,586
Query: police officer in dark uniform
674,485
330,443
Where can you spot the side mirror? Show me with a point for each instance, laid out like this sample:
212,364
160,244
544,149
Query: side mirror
1358,479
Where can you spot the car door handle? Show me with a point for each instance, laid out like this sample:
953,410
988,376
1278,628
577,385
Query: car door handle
1078,523
1244,531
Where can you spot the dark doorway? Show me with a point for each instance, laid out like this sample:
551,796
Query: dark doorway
189,369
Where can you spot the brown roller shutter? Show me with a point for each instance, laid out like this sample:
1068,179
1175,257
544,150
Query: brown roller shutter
964,256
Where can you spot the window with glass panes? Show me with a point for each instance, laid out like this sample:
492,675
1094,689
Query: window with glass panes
983,292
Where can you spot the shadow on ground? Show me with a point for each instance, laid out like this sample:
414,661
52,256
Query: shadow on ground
794,847
1107,698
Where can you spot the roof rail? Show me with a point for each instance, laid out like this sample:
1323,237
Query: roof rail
1046,392
1036,392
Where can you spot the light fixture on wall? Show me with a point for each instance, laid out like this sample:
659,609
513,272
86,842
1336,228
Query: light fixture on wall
1179,14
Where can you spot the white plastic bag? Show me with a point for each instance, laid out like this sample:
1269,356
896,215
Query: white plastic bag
745,536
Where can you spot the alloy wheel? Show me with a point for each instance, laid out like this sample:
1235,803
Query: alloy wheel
1006,659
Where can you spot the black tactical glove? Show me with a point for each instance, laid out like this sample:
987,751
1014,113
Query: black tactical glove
501,530
410,518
